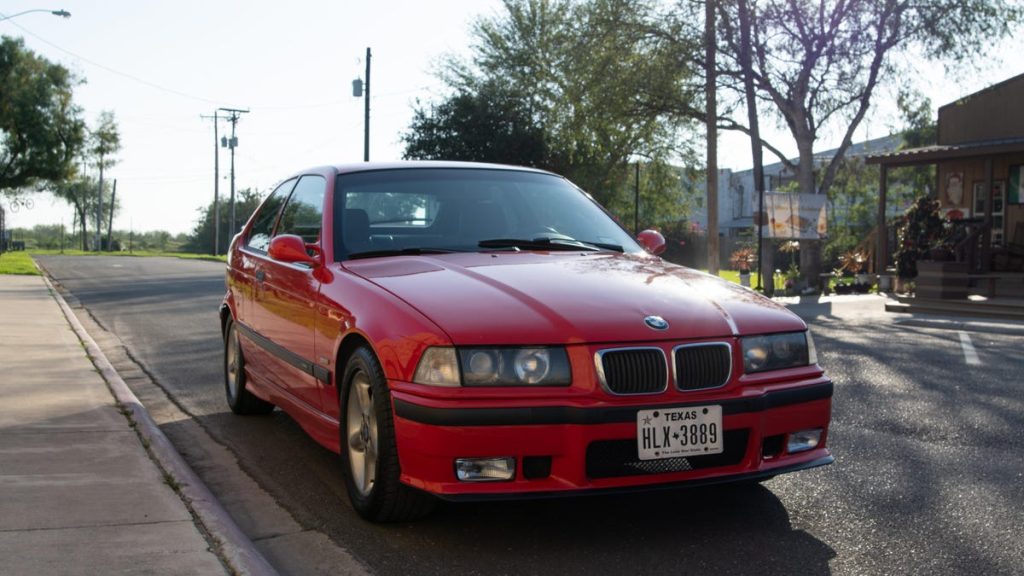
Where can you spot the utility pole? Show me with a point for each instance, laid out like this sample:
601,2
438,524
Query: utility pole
216,183
712,131
233,115
366,113
361,89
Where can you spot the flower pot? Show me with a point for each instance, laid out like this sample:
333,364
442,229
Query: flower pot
745,278
943,280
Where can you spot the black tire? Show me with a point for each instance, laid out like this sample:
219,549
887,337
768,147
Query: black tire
240,400
372,470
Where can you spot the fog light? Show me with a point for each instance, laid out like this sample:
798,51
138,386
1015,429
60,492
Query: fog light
485,469
803,440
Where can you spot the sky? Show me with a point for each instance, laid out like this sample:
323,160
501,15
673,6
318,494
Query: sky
161,66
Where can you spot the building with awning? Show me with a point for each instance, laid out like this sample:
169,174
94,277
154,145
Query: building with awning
979,158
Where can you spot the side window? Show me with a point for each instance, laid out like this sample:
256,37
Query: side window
263,221
303,214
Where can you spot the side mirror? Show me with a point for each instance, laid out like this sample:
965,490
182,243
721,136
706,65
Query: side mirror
652,241
291,249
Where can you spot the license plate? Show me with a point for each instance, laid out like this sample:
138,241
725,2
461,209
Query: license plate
679,432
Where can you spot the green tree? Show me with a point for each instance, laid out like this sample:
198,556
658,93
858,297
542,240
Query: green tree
852,208
104,143
45,236
490,125
48,236
853,196
582,88
41,130
817,64
80,193
919,128
200,240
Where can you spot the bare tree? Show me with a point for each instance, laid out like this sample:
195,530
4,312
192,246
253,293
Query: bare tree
816,65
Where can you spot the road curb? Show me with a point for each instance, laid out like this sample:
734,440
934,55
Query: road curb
236,549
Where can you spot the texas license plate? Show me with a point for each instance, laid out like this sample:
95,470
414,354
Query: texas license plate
679,432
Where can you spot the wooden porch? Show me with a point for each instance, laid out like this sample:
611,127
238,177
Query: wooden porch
977,271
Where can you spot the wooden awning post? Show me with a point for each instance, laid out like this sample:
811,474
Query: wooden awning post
986,237
882,245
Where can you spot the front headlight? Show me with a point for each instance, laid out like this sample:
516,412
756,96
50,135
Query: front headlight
776,351
536,366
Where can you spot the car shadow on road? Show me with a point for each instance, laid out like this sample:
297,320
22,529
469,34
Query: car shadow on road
729,529
741,529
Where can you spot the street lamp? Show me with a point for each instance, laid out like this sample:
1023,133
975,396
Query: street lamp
61,13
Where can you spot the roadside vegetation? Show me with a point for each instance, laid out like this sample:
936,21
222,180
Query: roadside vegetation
125,253
19,263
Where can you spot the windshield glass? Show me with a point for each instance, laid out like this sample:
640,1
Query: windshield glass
426,210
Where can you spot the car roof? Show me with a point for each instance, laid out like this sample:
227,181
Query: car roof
429,164
352,168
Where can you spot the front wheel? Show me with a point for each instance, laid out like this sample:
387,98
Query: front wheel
240,400
368,451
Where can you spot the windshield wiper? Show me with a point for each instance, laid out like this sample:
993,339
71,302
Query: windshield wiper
545,243
604,245
399,252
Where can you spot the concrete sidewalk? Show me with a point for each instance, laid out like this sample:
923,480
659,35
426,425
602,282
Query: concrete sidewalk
79,494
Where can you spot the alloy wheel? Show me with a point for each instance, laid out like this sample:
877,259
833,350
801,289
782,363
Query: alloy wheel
361,431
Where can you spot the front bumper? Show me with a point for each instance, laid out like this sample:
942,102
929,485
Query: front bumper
575,448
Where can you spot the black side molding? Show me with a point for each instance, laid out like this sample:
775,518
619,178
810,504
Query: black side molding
550,415
319,372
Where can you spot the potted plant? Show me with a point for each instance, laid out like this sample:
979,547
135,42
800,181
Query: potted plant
792,278
743,259
925,253
918,231
853,262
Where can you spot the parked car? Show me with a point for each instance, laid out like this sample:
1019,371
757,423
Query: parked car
469,331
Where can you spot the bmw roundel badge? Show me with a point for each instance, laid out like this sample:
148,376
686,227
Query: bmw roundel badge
656,323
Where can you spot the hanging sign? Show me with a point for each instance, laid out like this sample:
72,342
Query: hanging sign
795,216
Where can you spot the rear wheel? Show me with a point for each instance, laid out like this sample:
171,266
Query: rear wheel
240,400
368,451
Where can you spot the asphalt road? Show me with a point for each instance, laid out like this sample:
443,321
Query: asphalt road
929,477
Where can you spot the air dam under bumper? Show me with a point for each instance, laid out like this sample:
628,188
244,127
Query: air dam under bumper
563,450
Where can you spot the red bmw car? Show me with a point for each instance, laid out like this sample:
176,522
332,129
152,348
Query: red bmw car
470,331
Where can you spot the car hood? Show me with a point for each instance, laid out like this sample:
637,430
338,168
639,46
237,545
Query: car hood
519,298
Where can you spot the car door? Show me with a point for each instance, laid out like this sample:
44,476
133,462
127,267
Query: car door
245,274
286,295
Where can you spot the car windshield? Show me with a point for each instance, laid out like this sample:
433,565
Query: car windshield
439,210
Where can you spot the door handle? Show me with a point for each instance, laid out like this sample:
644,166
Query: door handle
261,276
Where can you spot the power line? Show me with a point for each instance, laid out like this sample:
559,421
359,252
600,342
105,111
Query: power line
112,70
181,94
